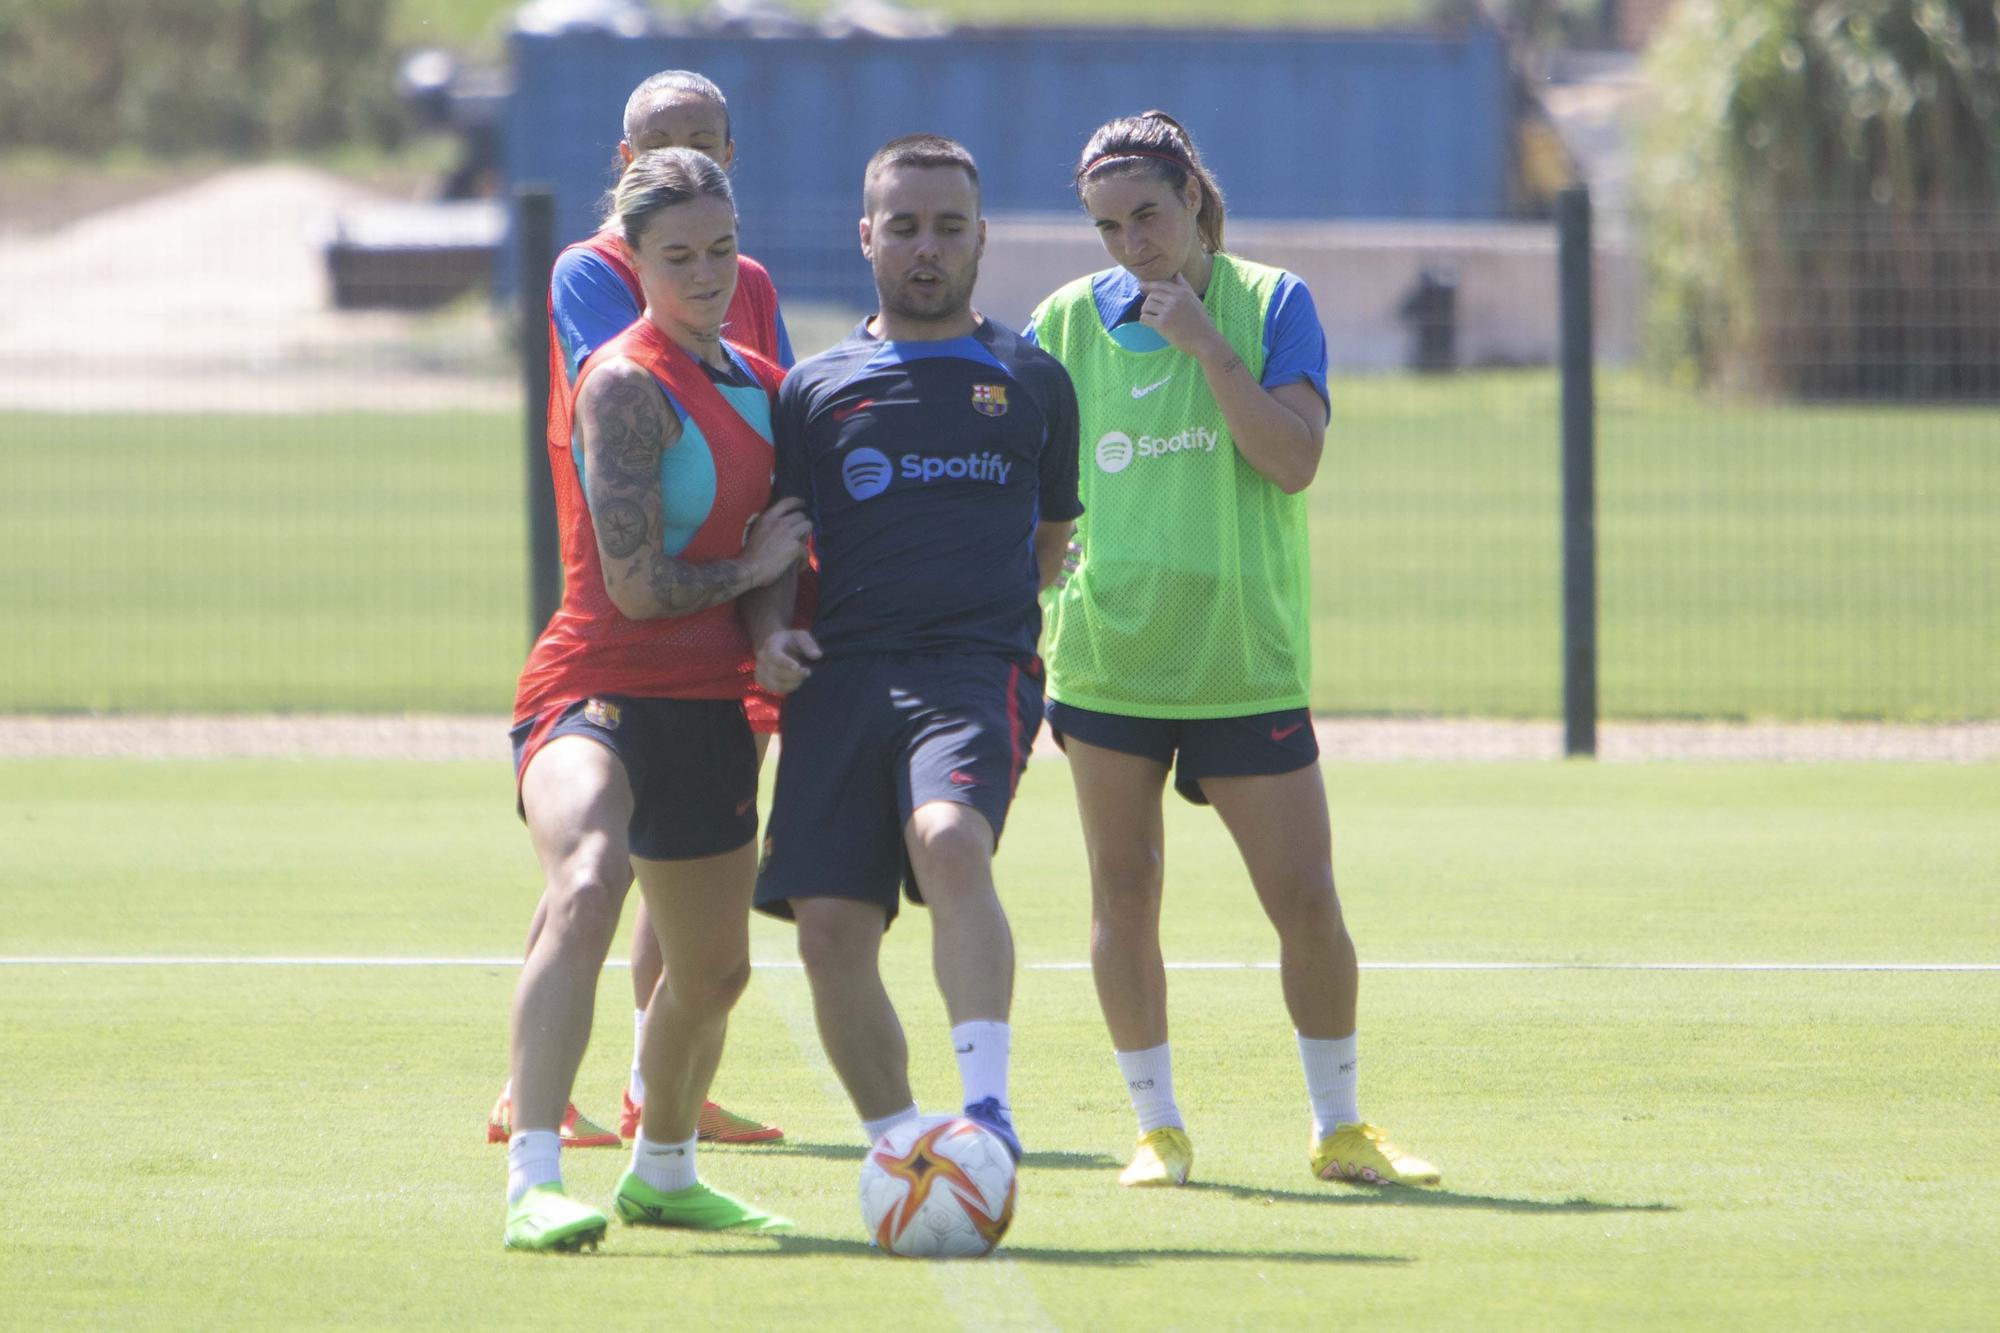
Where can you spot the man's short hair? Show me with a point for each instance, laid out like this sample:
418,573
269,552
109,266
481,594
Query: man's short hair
916,150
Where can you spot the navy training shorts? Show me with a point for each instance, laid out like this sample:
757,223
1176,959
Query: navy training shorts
1256,745
691,763
864,742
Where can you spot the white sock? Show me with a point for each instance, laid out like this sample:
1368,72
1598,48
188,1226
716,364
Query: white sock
637,1082
1149,1077
872,1130
667,1167
982,1047
1331,1080
534,1157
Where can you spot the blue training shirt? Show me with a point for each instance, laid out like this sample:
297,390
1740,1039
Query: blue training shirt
592,305
926,467
1294,341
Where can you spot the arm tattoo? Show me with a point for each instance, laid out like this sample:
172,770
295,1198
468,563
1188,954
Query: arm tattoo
621,527
1229,365
681,588
625,431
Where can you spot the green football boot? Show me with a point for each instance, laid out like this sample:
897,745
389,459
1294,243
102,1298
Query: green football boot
697,1207
547,1219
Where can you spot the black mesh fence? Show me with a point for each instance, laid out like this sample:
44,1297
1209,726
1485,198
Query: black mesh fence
225,492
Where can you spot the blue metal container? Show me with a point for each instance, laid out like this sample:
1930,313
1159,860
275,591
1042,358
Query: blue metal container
1297,125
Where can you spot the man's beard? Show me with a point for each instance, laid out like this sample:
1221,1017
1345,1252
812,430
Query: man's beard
948,299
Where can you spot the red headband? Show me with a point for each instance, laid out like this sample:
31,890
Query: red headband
1102,158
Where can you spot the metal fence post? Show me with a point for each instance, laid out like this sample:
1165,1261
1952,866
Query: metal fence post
1579,476
535,224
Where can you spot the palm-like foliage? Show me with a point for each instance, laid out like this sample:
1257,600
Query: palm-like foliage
1820,184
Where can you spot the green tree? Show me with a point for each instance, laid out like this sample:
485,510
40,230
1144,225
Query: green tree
1819,181
182,76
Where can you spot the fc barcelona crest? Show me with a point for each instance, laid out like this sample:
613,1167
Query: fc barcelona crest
989,400
601,713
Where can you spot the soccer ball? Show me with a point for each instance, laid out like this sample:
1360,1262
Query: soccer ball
938,1187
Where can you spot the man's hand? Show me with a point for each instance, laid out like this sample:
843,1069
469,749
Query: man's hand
1056,553
782,658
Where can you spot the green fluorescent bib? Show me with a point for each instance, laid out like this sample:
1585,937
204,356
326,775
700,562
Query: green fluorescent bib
1190,599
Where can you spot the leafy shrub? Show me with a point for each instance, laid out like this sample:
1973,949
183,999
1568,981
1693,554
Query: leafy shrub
174,77
1819,185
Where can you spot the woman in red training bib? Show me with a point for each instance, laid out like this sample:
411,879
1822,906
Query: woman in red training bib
631,742
594,296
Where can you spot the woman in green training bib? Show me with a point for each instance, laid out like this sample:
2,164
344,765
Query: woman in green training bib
1180,640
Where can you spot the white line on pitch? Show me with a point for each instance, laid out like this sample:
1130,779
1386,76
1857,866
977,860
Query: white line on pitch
145,960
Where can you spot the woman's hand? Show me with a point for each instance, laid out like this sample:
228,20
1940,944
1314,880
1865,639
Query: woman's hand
776,540
1174,312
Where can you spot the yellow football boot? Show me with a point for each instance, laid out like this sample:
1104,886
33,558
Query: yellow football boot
1164,1157
1363,1155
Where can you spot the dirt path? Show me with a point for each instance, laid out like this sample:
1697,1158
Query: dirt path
336,736
220,297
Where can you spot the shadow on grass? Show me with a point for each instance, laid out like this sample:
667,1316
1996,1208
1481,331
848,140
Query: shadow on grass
1393,1196
1397,1196
797,1246
854,1152
838,1152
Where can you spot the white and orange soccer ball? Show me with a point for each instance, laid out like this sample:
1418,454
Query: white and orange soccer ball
938,1187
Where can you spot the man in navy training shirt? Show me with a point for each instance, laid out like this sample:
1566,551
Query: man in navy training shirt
937,454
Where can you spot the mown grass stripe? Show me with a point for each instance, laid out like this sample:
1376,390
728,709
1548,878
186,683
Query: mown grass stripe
789,964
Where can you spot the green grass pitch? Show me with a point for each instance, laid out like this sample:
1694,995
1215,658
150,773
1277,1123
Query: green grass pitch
1755,561
301,1145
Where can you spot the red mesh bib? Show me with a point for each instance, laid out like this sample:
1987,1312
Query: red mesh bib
589,646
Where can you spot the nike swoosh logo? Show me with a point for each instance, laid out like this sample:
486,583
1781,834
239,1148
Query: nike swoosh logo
964,1050
1280,733
1138,392
843,413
